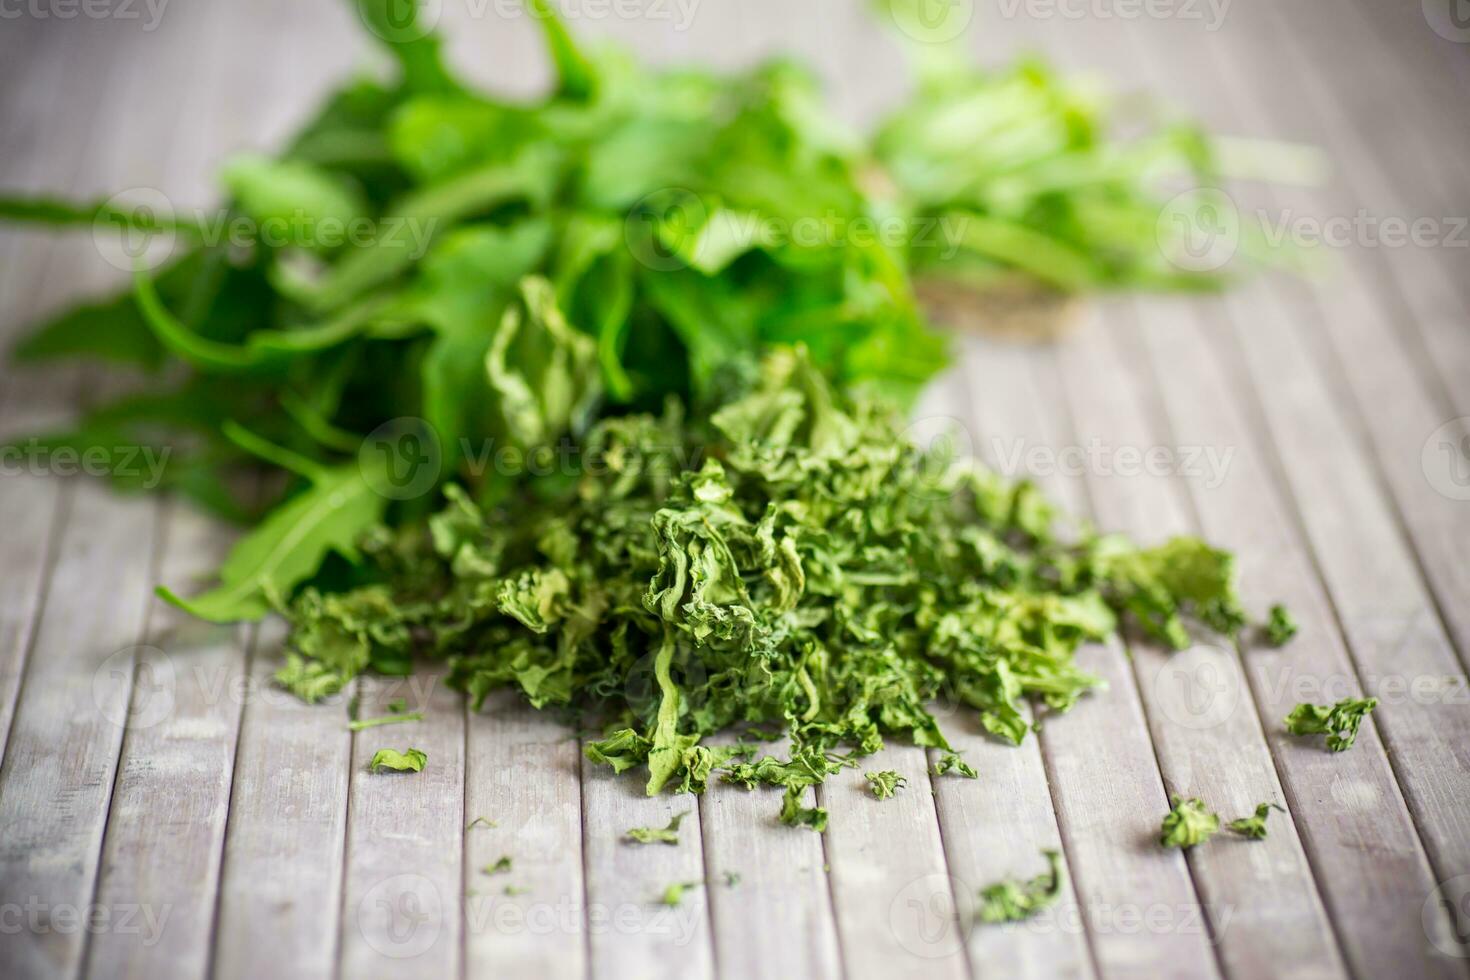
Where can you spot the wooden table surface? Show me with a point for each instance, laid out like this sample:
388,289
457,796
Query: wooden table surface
164,812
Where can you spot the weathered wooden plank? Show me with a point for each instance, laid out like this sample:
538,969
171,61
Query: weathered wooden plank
1411,172
1421,85
899,912
280,885
1138,903
1357,317
630,932
74,691
770,904
280,895
996,826
1389,620
1339,802
166,825
1206,733
522,777
404,877
58,770
1432,37
28,403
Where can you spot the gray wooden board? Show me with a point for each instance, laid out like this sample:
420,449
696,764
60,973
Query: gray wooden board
1398,642
1104,775
244,831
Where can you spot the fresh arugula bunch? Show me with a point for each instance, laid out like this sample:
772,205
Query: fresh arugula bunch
657,277
494,274
526,267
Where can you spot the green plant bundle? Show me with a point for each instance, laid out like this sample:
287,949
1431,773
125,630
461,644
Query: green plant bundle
791,565
679,285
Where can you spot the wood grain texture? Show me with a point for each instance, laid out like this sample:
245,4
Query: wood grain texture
1400,651
1358,315
182,725
998,825
280,887
632,934
1205,731
404,875
1104,776
770,903
899,912
522,777
74,688
56,782
1339,802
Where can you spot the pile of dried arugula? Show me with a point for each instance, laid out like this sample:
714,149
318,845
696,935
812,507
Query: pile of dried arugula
676,286
789,563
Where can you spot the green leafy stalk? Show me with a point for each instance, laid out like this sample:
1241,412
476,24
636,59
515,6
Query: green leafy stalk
1339,722
884,784
663,835
1189,823
366,723
1254,826
1014,901
409,760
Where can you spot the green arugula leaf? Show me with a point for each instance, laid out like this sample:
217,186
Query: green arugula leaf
1188,823
1254,826
665,835
1280,626
365,723
884,784
409,760
288,547
1339,722
795,815
674,894
1014,901
950,762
